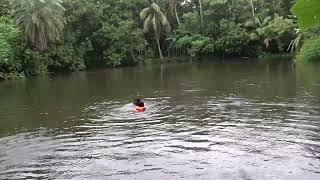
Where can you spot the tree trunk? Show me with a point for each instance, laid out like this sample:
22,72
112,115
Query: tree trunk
201,13
252,7
175,10
159,48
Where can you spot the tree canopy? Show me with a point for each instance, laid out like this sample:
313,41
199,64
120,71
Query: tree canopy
41,20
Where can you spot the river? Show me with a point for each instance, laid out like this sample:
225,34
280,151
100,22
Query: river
230,120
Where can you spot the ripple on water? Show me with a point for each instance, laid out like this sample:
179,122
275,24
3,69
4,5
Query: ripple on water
212,138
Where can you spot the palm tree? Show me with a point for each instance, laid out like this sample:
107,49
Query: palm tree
173,9
155,21
41,20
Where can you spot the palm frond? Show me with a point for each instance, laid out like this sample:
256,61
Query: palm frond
41,20
257,21
155,7
266,21
154,24
267,42
144,13
254,36
250,24
295,44
147,24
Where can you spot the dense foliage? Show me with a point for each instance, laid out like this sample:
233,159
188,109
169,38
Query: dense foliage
310,50
9,34
39,36
308,13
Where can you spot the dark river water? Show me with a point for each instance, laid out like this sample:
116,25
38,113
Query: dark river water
224,121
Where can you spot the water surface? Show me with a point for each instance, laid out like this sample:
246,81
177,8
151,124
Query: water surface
231,120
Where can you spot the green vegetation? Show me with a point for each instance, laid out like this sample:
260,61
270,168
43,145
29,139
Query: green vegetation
41,20
310,51
308,12
40,36
155,21
9,35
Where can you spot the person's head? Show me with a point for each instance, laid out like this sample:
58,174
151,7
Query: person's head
137,101
141,104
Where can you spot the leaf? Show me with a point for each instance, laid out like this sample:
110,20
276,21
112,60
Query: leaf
155,7
308,13
266,20
42,20
250,24
267,42
147,24
257,21
144,13
254,36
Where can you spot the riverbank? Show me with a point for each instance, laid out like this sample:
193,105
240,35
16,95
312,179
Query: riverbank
182,59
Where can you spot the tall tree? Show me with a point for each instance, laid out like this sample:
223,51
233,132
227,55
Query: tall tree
155,21
41,20
173,9
198,3
252,7
201,14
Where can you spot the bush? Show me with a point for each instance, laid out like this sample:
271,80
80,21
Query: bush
9,35
33,62
233,39
193,45
279,30
65,58
310,50
198,46
5,8
123,43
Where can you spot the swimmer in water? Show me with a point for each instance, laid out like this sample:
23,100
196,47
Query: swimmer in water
140,106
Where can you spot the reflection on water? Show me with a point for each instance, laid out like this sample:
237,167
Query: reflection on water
209,121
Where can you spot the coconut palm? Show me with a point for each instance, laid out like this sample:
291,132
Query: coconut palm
173,9
155,21
41,20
